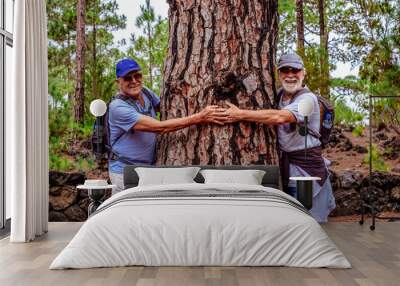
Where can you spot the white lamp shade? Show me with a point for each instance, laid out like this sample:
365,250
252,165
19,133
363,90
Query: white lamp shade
306,107
98,107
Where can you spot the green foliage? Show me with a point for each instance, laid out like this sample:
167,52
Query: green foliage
346,115
358,130
101,54
287,39
63,163
60,163
378,163
83,164
150,48
361,32
370,31
287,26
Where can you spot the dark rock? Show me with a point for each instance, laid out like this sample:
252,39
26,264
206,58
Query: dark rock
360,149
56,191
60,178
393,142
392,148
382,180
350,179
57,216
381,126
395,194
346,144
66,198
334,179
348,202
381,136
390,154
336,137
349,128
84,204
86,144
376,197
75,213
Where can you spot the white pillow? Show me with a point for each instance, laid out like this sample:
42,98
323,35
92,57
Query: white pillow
248,177
166,176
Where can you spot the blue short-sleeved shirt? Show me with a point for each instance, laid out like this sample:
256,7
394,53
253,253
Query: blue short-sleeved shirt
137,146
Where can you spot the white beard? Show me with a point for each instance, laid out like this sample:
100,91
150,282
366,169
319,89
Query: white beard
292,87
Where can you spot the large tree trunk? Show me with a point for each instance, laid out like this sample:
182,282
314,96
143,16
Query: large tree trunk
219,51
80,62
324,55
300,27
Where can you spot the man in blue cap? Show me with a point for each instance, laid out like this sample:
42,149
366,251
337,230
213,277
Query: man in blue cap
291,144
133,124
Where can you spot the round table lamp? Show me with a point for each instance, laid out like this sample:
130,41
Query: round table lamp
98,108
304,184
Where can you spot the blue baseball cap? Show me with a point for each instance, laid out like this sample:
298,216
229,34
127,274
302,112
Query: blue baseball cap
292,60
125,66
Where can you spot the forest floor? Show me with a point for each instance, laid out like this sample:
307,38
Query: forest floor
353,160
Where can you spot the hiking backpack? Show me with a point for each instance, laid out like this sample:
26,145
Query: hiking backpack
100,139
327,116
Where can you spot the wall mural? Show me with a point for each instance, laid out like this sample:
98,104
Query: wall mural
215,53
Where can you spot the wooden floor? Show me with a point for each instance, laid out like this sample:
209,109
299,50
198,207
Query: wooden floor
375,257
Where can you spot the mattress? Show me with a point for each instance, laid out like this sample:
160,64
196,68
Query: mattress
201,225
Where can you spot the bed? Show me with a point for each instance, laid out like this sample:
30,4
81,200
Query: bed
201,224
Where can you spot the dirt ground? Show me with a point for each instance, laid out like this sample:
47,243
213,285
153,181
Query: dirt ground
351,160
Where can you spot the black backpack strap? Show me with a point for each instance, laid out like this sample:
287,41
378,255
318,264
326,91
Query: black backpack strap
304,90
131,102
149,96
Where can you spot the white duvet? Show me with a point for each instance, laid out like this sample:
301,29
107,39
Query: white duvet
183,231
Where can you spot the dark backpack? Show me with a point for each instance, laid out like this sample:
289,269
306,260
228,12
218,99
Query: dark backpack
101,145
327,116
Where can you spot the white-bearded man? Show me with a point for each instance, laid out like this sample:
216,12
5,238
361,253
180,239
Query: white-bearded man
291,143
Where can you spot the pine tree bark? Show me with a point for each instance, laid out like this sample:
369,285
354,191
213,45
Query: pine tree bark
219,51
300,27
324,53
80,62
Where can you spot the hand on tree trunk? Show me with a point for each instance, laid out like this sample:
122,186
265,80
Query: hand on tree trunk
212,114
232,114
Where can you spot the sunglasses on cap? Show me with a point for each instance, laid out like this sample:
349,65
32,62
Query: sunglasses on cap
136,76
289,69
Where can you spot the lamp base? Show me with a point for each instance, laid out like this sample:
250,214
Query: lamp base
305,193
